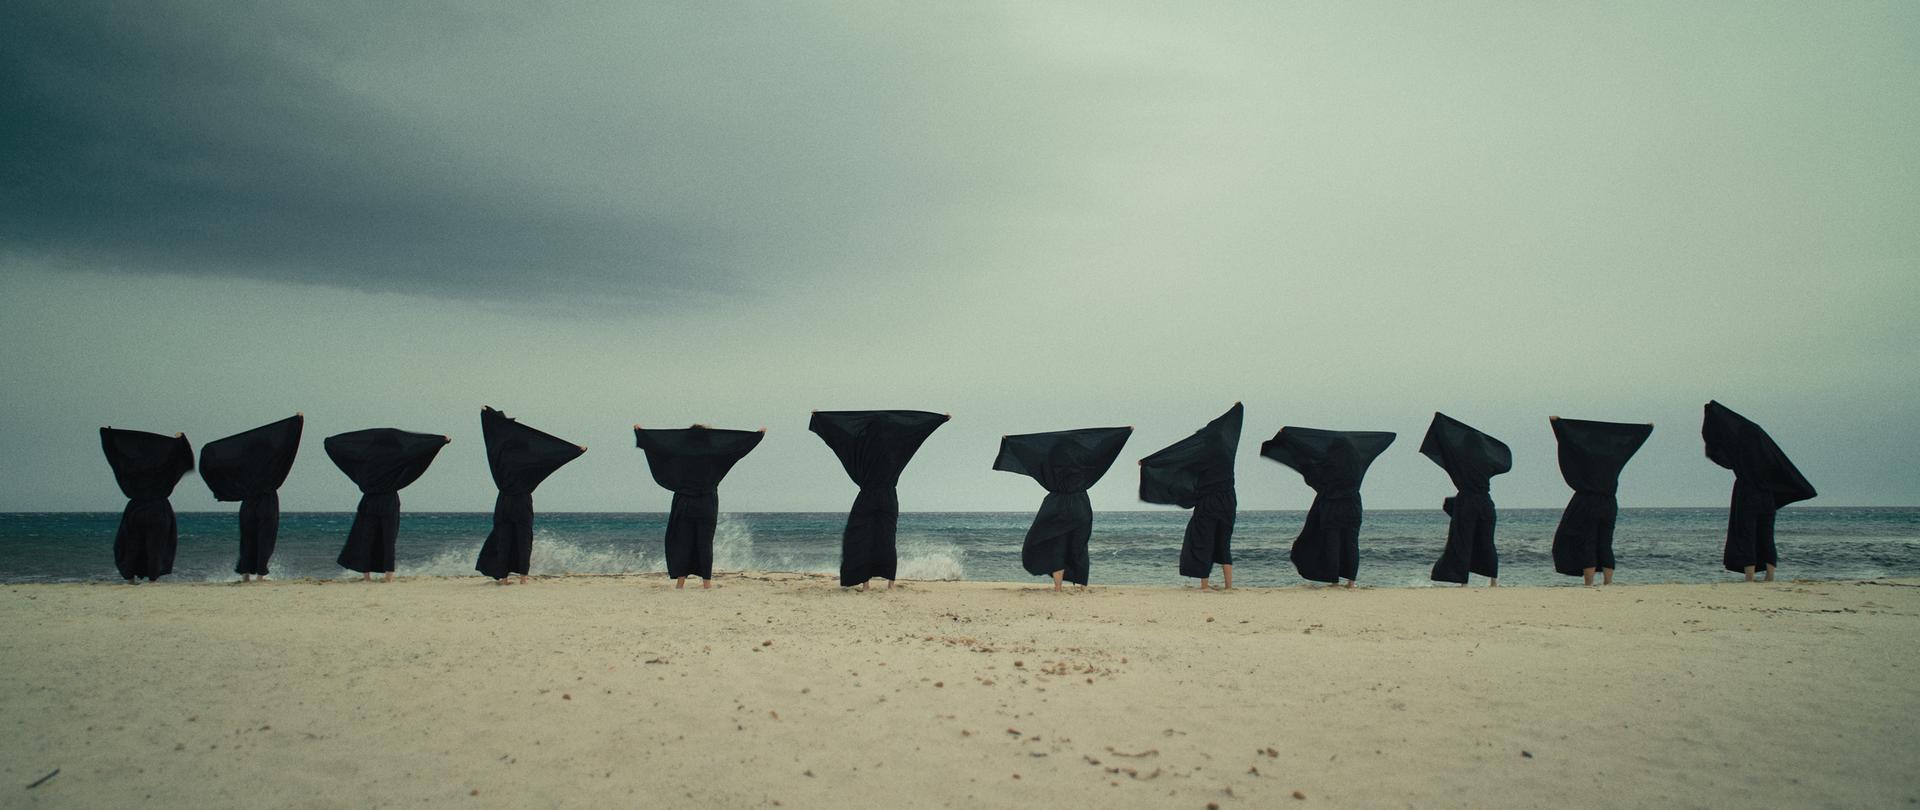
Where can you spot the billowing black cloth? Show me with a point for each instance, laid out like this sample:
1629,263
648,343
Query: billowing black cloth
520,458
1591,457
1764,480
1067,463
381,461
1333,462
249,467
1197,473
874,447
1471,459
691,462
146,466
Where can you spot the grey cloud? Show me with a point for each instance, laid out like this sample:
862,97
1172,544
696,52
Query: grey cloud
462,150
1035,215
209,139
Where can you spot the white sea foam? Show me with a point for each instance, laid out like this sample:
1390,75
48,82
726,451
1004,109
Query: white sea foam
735,549
553,555
450,562
733,546
924,558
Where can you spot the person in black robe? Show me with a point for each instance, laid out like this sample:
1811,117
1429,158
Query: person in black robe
146,466
691,462
519,458
249,467
381,461
1764,480
1471,459
1592,454
1067,463
1333,463
874,448
1197,473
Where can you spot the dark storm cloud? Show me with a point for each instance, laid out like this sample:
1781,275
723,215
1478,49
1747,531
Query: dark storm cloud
219,139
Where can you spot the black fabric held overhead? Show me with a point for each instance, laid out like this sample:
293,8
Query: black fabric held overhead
1333,463
691,462
146,466
249,467
1066,463
1764,480
874,448
1471,459
1197,473
1592,454
519,458
381,461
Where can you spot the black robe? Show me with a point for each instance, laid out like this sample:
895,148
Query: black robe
1764,480
1333,462
249,467
874,448
691,462
1471,459
146,466
1197,473
520,458
1592,454
1067,463
381,461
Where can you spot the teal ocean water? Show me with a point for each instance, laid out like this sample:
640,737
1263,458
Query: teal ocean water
1397,547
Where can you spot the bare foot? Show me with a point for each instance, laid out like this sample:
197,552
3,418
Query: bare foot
523,579
890,582
502,582
1226,577
706,583
1349,584
1749,572
1586,577
1203,584
1493,582
1057,576
1769,573
863,587
680,583
389,577
1607,574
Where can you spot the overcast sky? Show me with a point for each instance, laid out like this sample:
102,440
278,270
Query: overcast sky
1035,216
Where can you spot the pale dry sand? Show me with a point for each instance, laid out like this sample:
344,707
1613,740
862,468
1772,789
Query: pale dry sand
781,690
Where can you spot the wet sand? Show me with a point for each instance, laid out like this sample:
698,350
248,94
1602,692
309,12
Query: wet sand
784,690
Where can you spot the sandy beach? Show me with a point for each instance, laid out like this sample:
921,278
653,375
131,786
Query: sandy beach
784,690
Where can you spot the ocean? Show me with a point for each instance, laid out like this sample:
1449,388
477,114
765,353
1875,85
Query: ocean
1397,547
